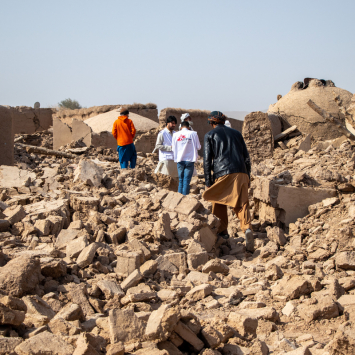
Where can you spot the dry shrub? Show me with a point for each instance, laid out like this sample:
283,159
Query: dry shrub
151,105
136,105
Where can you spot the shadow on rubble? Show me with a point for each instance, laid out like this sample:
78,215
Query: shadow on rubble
164,181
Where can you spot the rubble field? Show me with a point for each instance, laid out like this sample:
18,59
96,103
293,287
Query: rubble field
99,260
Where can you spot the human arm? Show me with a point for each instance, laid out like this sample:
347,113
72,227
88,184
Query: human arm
198,144
159,144
133,129
207,160
114,130
246,157
173,147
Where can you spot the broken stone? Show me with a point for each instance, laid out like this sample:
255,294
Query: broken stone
12,176
162,227
8,345
345,260
53,344
87,255
110,289
10,316
206,237
70,312
14,214
36,306
78,295
194,260
292,287
187,205
20,275
199,277
325,308
43,226
289,308
161,323
76,246
199,292
62,327
132,280
127,262
4,225
243,322
51,267
115,349
83,347
216,266
89,173
172,200
124,326
65,236
148,268
276,235
185,333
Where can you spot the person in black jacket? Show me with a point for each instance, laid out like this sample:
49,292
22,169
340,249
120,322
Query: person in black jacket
226,155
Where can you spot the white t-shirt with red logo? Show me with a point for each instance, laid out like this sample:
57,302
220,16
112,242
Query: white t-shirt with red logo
185,145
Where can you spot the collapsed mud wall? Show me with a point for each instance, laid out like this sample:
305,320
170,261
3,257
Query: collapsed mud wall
145,142
66,116
64,134
257,133
6,136
28,120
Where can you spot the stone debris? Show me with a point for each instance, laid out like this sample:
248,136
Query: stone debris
99,260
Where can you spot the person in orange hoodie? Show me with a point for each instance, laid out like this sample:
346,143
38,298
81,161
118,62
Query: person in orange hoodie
124,131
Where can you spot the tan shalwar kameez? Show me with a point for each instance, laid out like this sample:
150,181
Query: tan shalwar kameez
230,190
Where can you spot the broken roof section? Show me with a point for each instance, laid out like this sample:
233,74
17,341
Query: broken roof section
292,109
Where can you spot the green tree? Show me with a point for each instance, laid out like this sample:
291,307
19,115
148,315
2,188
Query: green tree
69,103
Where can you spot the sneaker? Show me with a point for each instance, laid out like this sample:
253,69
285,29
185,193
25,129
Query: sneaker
224,235
249,240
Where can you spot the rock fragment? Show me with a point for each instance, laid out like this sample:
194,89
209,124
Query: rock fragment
20,275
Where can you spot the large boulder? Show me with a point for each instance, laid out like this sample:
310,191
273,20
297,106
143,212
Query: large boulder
44,343
20,276
293,109
88,172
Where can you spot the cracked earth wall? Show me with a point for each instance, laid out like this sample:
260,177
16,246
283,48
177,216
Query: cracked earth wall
27,120
6,137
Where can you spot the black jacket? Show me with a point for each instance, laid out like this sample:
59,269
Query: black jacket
225,153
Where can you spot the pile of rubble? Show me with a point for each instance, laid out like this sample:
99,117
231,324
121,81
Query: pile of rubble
98,260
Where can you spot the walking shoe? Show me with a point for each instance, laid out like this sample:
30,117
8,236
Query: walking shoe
249,240
224,235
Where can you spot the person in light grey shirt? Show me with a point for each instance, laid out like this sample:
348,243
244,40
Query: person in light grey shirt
166,164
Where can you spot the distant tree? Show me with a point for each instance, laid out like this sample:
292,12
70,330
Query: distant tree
69,103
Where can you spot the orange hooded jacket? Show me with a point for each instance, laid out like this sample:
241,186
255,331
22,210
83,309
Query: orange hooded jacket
123,130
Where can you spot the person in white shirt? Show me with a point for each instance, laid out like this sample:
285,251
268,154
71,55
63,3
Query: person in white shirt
166,164
185,146
186,117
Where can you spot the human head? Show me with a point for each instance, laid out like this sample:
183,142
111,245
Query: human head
185,124
216,117
185,117
124,111
171,122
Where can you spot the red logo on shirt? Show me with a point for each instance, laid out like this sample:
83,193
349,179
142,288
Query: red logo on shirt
181,138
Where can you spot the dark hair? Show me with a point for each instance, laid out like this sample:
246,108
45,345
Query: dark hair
171,119
124,113
185,124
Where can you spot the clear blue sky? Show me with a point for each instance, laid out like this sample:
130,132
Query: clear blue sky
217,55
